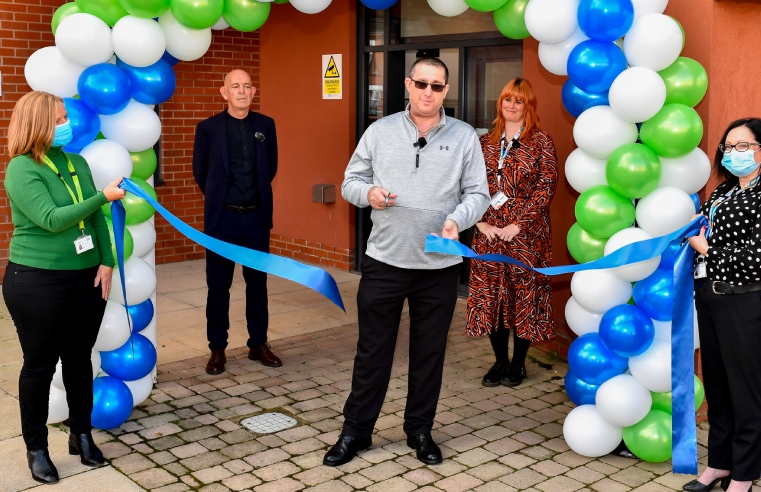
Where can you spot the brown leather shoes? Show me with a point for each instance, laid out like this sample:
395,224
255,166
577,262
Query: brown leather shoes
216,364
264,354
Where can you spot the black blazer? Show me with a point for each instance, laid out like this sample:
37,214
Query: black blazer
210,166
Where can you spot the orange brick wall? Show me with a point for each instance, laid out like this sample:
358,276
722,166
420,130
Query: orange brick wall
312,252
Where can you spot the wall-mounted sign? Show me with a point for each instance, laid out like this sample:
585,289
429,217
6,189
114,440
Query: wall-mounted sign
332,87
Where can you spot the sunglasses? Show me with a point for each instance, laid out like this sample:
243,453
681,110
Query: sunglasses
424,85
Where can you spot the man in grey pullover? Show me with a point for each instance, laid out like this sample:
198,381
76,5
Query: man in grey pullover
422,173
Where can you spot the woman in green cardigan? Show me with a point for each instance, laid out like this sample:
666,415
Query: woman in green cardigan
59,274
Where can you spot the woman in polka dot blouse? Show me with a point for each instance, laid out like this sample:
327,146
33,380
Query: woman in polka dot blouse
728,302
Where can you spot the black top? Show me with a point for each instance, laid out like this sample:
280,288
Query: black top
734,254
241,149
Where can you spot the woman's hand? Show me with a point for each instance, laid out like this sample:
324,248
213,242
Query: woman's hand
509,232
487,230
113,192
699,243
103,278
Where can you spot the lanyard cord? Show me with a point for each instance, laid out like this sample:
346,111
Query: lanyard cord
75,178
720,200
503,151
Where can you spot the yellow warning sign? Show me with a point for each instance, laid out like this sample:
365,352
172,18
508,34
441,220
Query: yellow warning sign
332,85
332,71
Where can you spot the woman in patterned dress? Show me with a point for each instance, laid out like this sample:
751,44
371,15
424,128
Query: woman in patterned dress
516,224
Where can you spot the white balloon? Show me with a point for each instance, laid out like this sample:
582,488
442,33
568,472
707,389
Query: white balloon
636,271
48,71
310,6
663,331
665,210
138,42
588,434
551,21
137,127
58,408
554,57
140,280
579,320
220,24
115,327
84,39
107,160
150,258
599,290
689,173
583,171
182,42
598,132
652,369
140,389
637,94
448,8
95,360
644,7
143,237
622,401
654,41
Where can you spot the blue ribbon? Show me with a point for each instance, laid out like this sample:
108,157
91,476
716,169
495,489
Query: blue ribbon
684,435
308,276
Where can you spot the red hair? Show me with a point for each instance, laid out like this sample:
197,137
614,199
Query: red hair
520,89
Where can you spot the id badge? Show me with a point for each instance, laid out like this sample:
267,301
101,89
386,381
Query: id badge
700,268
83,243
498,200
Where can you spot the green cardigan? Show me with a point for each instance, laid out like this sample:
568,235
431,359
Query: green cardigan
46,220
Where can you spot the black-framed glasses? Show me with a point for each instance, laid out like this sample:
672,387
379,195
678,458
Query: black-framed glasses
739,146
420,85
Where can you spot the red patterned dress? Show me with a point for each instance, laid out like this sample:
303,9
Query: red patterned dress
522,298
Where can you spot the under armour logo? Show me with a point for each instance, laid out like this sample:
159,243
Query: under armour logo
442,147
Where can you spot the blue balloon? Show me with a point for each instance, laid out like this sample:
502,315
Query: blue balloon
592,361
626,330
379,4
172,61
668,256
132,361
594,65
579,392
576,101
141,315
104,88
153,84
112,403
696,201
605,20
655,294
85,124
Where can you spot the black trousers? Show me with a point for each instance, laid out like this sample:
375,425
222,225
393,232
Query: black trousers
57,314
431,295
730,348
251,231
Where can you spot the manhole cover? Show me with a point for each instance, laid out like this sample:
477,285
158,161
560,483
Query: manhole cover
267,423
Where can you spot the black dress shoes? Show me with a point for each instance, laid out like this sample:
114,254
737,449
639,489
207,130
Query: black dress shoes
695,486
85,447
514,375
42,468
216,364
623,452
495,375
427,451
346,449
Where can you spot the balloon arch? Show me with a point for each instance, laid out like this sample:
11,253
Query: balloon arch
637,168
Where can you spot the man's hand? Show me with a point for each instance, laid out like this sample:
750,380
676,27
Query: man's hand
450,230
488,230
103,278
509,232
380,198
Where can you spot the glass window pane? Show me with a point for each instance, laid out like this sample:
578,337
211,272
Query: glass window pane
418,19
489,69
374,87
374,27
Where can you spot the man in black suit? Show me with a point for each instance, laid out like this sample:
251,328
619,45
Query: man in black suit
234,163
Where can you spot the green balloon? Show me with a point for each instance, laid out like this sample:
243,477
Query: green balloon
602,212
681,28
511,19
109,11
63,12
197,14
147,9
650,438
138,210
100,136
674,132
129,244
583,246
244,15
686,82
143,163
280,1
633,170
485,5
662,401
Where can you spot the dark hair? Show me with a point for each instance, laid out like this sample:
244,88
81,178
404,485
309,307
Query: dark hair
752,124
433,62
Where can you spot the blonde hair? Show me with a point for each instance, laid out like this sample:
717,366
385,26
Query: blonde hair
32,125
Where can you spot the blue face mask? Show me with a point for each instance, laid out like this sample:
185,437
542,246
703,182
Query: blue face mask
63,135
739,163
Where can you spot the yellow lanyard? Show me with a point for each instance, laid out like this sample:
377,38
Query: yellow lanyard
75,178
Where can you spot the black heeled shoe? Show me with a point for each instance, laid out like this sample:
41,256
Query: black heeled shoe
495,375
42,468
514,375
85,447
696,486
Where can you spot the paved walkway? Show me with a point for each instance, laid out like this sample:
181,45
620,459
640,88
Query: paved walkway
188,436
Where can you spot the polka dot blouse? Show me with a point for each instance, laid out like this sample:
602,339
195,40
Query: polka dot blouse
734,254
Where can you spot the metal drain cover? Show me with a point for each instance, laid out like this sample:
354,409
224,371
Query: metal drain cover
267,423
